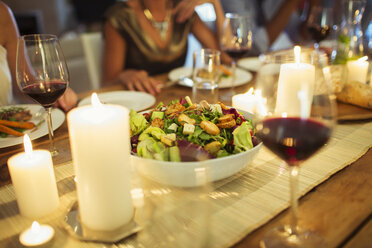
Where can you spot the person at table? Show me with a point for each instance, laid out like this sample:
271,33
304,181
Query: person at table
270,19
147,37
9,92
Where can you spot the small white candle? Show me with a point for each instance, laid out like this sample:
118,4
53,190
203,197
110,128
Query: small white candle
36,235
246,101
34,181
357,70
295,78
99,137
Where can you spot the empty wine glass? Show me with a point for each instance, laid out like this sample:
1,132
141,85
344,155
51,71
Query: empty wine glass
236,39
42,73
320,23
295,118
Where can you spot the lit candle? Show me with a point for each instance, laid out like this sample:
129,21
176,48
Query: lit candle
36,235
99,137
34,181
295,87
357,70
246,101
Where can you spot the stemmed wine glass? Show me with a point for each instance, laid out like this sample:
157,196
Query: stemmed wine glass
320,23
295,117
236,39
42,73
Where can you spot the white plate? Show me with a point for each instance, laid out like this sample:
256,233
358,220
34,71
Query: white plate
250,64
131,99
242,77
185,174
58,117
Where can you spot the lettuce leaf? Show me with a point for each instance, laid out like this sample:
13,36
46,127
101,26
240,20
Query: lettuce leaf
154,132
137,122
242,138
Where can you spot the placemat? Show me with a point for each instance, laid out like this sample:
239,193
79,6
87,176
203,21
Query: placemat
238,204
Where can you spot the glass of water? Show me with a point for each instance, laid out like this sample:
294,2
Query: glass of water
206,75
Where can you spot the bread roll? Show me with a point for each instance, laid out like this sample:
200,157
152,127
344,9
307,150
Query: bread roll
356,93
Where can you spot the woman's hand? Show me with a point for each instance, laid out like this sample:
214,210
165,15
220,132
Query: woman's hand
139,80
68,100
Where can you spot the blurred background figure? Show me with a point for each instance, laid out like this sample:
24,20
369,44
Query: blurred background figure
144,38
275,22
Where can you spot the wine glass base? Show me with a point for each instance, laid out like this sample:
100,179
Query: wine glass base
283,237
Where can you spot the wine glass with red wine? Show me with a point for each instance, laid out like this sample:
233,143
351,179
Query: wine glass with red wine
295,116
42,73
320,23
236,39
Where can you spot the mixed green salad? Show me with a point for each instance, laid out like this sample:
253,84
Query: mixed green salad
183,131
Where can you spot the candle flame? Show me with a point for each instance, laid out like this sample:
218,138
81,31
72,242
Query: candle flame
35,227
284,114
362,59
250,91
27,144
297,53
95,100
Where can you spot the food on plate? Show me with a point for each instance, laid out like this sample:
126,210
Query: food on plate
225,71
184,131
4,130
14,121
15,114
19,124
356,93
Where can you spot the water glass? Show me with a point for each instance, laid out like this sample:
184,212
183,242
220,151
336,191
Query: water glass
206,75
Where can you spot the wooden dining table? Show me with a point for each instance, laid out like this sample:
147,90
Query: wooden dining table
339,209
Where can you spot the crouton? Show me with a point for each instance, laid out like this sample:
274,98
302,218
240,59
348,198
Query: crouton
209,127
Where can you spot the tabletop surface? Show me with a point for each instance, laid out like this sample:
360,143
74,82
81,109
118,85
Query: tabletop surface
339,209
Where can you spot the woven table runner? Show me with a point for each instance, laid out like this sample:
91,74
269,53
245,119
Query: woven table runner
237,205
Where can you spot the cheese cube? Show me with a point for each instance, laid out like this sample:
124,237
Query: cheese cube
166,140
216,108
188,128
173,127
171,136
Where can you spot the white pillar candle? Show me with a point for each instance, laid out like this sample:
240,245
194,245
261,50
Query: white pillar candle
34,181
295,88
99,137
357,70
36,235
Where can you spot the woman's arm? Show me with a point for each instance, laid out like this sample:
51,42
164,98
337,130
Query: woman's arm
277,24
208,39
9,38
114,65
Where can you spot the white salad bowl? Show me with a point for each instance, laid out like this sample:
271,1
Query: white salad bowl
184,174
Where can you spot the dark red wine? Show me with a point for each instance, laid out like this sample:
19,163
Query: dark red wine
293,139
45,93
236,53
318,33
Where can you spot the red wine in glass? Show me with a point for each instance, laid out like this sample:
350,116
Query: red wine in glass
319,33
293,139
45,94
236,53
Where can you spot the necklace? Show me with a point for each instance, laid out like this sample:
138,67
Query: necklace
161,27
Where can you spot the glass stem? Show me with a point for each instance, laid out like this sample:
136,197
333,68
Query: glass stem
52,148
233,68
293,185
